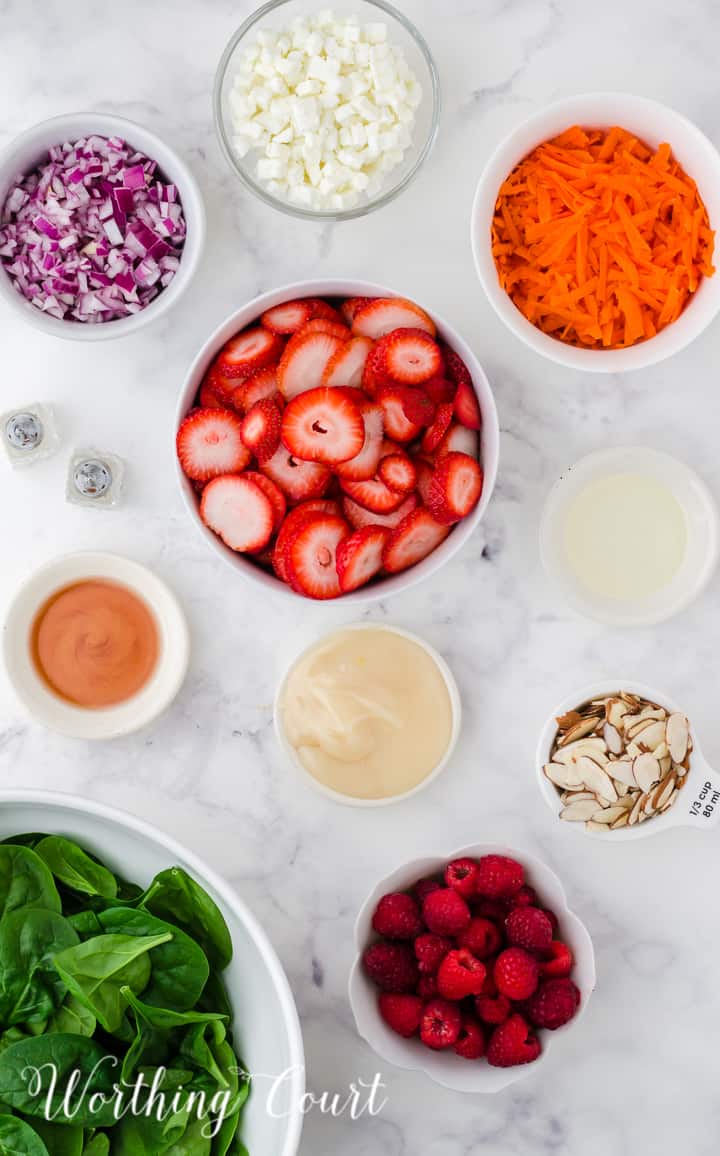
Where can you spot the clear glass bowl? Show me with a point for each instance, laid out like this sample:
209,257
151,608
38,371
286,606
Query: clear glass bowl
277,15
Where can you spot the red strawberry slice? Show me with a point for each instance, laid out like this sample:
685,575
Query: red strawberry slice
287,318
364,465
324,325
411,356
293,520
416,404
358,516
220,383
397,424
398,472
347,365
455,368
424,475
467,407
209,443
350,307
435,433
375,375
373,494
297,479
323,309
309,555
383,314
238,512
303,362
439,390
455,488
254,348
258,385
261,429
359,557
274,495
417,536
323,425
210,396
458,439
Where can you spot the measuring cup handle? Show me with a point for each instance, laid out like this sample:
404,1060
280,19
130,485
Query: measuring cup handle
701,797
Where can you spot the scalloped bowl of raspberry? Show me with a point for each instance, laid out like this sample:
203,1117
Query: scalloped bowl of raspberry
336,440
469,966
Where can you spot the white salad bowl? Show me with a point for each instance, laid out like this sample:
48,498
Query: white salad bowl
31,147
266,1025
489,441
653,123
444,1067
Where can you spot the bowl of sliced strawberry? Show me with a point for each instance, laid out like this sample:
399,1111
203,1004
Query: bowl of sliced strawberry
336,440
469,966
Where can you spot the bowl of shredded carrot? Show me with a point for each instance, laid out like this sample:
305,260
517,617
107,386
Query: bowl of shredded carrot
593,232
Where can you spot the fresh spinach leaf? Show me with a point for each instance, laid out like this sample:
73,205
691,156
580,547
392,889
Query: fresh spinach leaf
30,987
72,1016
86,923
179,967
174,895
18,1139
74,868
55,1059
97,969
166,1018
99,1145
60,1139
25,881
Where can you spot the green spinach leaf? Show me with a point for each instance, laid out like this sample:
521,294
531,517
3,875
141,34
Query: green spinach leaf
60,1139
25,881
18,1139
174,895
74,868
30,987
36,1075
179,967
97,969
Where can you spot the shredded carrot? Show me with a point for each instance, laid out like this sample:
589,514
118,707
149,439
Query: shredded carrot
599,240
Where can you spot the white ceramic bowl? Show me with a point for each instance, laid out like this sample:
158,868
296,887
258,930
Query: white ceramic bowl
655,124
267,1029
489,440
455,706
701,520
109,722
31,147
698,804
445,1067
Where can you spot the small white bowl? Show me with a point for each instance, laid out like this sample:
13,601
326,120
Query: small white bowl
455,707
489,442
109,722
445,1067
654,123
701,519
698,804
267,1029
31,147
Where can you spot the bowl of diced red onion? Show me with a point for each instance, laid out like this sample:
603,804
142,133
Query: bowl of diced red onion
102,226
335,440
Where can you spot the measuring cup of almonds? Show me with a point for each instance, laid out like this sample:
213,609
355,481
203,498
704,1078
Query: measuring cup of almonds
619,760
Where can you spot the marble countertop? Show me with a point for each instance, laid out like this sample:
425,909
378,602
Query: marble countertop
640,1073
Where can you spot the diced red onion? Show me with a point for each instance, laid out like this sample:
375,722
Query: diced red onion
94,233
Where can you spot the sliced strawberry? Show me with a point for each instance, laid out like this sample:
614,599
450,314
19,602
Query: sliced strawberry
210,396
238,512
373,494
303,362
383,314
347,365
424,476
297,479
220,384
258,385
209,443
358,516
324,325
274,495
350,307
439,389
417,536
397,423
458,439
359,557
364,465
455,488
323,425
467,407
398,472
455,368
416,404
310,555
411,356
252,349
435,433
293,520
287,318
261,428
322,308
375,375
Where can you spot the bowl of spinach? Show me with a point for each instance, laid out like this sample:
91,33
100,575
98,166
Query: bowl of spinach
143,1012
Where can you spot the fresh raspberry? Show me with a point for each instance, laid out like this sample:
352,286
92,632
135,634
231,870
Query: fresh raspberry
481,937
397,916
499,877
491,909
427,988
391,966
525,897
553,918
402,1013
445,912
560,963
430,950
493,1009
423,888
516,973
460,975
471,1041
554,1004
512,1043
461,875
529,927
440,1024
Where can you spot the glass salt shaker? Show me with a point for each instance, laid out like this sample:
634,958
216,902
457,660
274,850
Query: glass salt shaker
95,478
29,434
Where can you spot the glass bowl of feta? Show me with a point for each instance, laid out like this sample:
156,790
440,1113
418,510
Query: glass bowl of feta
327,113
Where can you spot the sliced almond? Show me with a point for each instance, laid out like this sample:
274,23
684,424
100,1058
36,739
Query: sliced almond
613,739
622,821
634,815
622,771
579,730
666,806
635,731
596,780
678,736
579,812
576,796
588,746
564,777
615,711
592,826
646,770
664,791
652,737
608,815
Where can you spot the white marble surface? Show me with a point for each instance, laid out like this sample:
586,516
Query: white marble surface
640,1073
